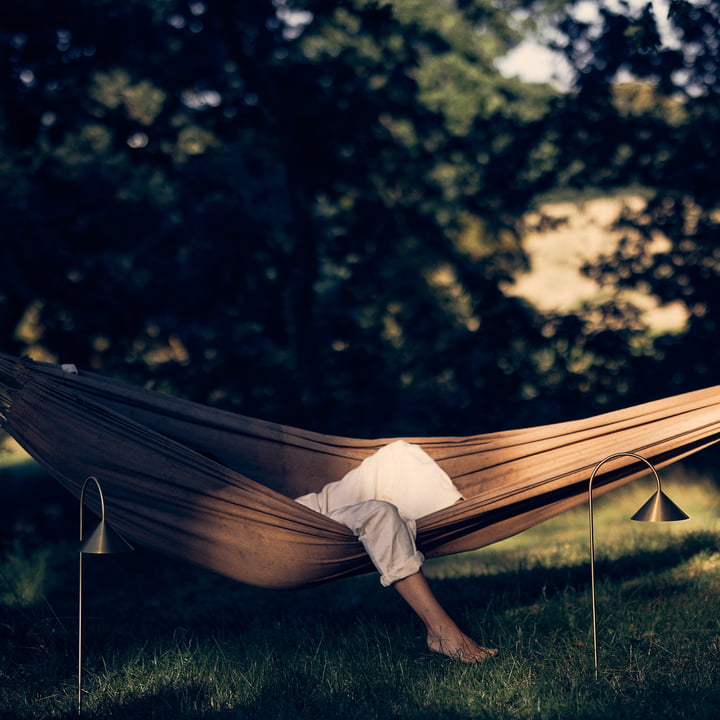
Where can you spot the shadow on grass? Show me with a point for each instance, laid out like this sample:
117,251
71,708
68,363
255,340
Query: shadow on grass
527,585
156,594
274,705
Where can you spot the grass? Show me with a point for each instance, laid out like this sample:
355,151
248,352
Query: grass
165,640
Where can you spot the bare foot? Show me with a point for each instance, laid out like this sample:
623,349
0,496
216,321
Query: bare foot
460,647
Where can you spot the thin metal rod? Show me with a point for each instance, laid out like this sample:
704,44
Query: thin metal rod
592,575
80,629
592,539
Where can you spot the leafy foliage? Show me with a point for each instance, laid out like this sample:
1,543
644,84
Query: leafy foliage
665,131
307,210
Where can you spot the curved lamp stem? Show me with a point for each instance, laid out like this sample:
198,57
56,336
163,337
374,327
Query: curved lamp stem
659,508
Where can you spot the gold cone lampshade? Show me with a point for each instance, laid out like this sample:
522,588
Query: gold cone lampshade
104,540
659,508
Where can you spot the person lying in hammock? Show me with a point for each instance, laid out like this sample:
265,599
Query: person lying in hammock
380,501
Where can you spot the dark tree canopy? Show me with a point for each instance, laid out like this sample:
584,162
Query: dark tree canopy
307,211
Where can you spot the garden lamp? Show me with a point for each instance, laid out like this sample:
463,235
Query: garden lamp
659,508
102,541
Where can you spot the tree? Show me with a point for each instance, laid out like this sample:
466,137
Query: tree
661,132
306,208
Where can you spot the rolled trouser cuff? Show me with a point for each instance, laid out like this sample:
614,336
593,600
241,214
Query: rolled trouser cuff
388,539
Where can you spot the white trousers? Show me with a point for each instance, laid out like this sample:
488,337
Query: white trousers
387,538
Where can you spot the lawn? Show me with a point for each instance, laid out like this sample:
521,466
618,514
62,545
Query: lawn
166,640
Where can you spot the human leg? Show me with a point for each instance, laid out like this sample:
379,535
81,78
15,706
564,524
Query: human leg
390,542
443,634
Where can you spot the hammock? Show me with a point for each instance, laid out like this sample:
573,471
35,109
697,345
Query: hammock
215,488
